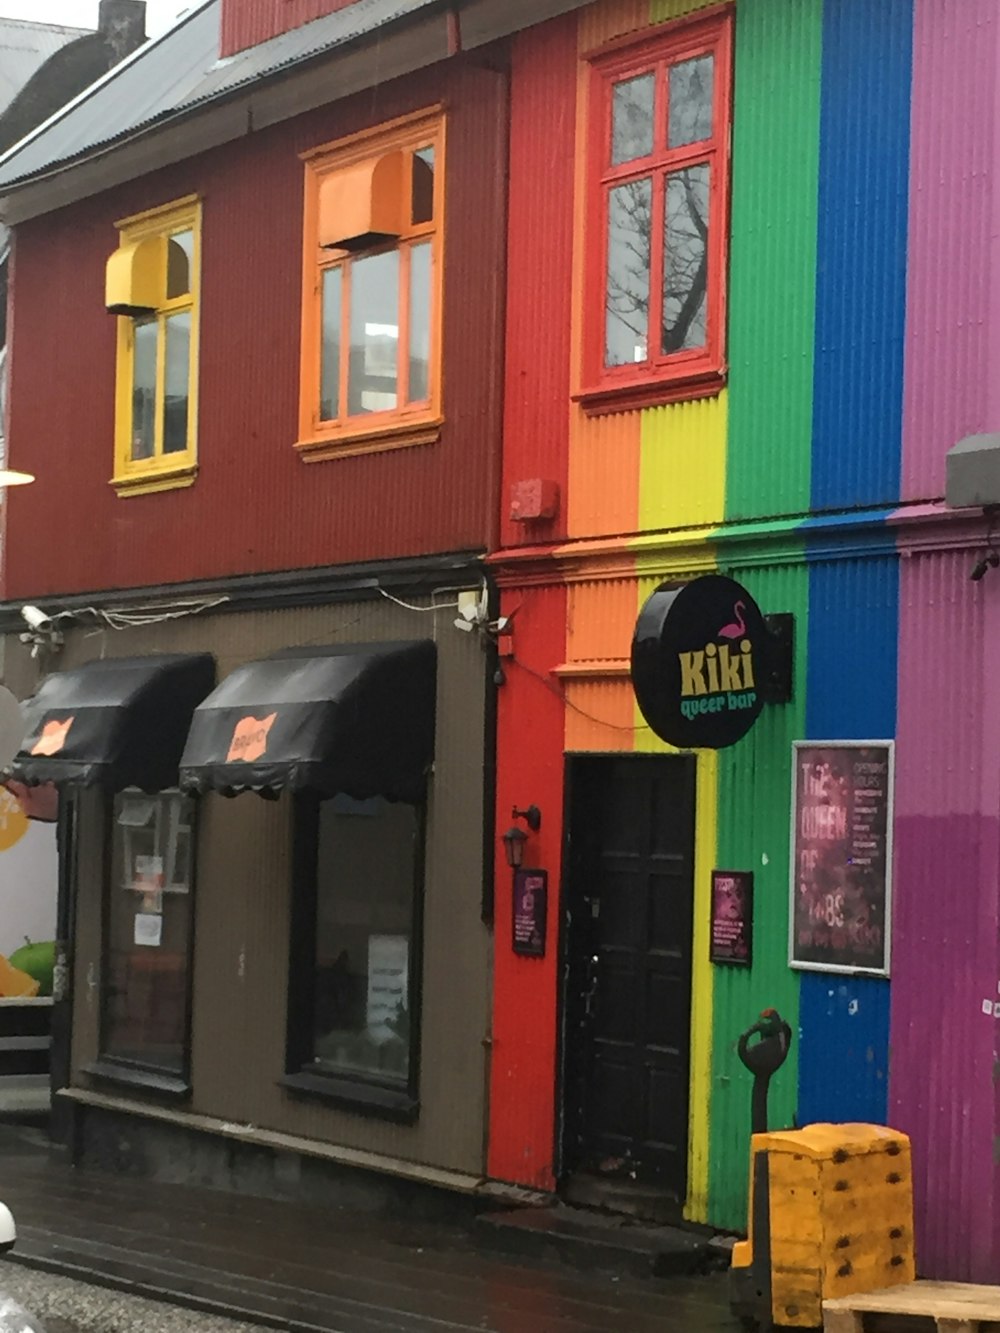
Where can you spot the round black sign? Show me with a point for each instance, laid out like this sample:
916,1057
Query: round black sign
698,662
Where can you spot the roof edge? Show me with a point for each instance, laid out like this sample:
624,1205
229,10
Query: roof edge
263,100
92,88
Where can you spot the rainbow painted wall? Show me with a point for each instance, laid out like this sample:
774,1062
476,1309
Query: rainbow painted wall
863,341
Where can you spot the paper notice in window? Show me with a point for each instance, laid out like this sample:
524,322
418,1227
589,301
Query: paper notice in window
148,929
388,976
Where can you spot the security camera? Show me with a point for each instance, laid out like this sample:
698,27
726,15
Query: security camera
989,561
36,618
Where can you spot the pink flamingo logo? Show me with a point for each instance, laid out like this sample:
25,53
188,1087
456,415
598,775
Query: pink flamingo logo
737,628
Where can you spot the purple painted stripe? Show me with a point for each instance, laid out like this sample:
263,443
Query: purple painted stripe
945,953
950,381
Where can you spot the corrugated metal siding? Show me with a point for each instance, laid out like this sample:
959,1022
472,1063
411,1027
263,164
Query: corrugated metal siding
526,1005
243,895
850,695
606,19
861,275
255,505
682,482
953,280
754,811
943,1088
247,22
536,421
773,256
604,465
181,71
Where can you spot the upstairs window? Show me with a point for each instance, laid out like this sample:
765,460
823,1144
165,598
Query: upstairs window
152,286
657,219
372,291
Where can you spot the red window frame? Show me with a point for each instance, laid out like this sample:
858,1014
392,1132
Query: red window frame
690,373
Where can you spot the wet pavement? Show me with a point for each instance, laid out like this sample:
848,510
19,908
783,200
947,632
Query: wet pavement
316,1270
61,1305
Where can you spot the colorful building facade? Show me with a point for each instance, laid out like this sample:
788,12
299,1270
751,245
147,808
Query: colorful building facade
854,300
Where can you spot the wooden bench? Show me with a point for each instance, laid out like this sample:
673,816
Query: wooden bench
955,1306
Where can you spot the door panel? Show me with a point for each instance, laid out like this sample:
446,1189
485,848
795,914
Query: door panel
628,1001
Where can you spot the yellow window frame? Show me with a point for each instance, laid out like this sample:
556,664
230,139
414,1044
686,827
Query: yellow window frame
161,471
410,423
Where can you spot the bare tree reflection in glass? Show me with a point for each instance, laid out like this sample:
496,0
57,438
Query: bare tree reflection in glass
627,304
685,261
691,89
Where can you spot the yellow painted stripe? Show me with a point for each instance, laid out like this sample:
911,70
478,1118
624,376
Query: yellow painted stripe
682,464
705,844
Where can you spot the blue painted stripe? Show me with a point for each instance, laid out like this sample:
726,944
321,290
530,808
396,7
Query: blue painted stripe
861,252
850,695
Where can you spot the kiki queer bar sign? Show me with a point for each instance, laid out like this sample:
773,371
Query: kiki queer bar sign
841,856
698,662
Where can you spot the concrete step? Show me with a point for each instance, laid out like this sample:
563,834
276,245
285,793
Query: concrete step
600,1242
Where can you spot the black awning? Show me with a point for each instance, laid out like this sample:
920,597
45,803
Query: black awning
353,718
120,722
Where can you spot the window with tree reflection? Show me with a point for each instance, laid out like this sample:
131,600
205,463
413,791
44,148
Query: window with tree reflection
657,215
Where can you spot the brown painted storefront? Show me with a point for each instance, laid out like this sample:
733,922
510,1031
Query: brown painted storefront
242,902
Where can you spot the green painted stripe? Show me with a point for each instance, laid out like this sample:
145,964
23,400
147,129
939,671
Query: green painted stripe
753,822
773,256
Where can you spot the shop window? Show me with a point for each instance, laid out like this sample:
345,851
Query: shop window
353,1010
658,218
152,286
372,291
145,1018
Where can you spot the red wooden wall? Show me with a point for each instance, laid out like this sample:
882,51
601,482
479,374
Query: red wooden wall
255,506
247,22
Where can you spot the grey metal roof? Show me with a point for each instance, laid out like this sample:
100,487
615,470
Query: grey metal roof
24,48
179,72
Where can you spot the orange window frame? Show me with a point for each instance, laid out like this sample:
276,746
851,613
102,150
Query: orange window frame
694,372
408,423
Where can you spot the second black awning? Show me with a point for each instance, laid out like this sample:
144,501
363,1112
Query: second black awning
115,723
353,718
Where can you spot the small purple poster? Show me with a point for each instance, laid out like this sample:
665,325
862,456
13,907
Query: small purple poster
841,856
732,917
531,891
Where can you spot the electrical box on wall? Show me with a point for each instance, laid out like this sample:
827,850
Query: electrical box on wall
972,472
534,500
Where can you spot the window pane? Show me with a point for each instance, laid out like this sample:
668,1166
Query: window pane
145,1009
423,185
180,253
627,297
329,382
374,334
691,101
420,322
178,374
366,872
632,118
685,264
144,337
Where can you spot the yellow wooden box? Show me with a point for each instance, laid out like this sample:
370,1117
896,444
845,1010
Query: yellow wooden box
841,1216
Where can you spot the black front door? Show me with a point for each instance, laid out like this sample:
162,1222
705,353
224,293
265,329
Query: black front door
628,1003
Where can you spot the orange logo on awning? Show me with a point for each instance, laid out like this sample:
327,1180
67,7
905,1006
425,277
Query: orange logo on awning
250,738
53,737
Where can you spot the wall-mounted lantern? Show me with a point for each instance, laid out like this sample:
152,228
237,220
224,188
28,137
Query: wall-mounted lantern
515,837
